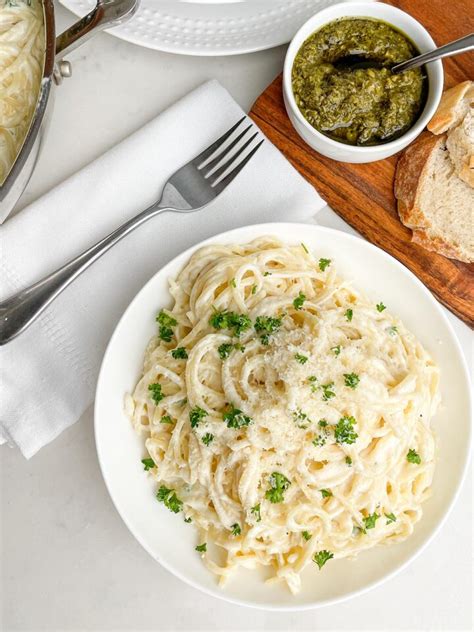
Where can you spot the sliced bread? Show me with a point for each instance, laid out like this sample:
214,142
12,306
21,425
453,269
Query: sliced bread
452,108
433,201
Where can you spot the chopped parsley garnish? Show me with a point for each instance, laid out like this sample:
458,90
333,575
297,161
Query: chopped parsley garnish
307,535
413,457
265,339
224,350
370,520
239,347
278,485
319,441
254,289
328,393
196,415
301,418
267,273
156,394
236,530
314,383
188,520
392,331
299,300
323,423
233,283
344,431
179,353
201,548
380,307
348,460
166,419
326,493
305,248
166,322
302,359
336,350
391,517
235,418
324,263
256,512
351,379
230,320
148,464
207,438
267,324
348,314
169,498
322,557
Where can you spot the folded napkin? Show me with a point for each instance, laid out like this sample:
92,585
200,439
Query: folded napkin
48,373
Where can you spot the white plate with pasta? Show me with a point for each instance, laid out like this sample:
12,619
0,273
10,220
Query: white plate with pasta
274,416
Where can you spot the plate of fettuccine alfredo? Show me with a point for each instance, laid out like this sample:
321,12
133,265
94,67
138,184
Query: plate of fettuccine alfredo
283,416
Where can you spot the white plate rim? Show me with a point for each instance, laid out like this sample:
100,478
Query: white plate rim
266,229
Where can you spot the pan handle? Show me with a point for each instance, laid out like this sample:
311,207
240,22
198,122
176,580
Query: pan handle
107,13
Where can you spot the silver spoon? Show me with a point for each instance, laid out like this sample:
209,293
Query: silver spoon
354,62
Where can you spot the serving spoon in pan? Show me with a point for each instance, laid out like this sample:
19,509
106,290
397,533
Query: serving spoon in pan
354,62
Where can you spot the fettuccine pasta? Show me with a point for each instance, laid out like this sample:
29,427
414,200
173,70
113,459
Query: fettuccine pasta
21,68
285,414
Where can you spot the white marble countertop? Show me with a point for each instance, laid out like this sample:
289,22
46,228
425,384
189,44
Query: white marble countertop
68,561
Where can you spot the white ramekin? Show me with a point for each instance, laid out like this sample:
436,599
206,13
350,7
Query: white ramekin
400,20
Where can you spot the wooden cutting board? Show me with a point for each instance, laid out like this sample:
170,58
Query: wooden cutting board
363,194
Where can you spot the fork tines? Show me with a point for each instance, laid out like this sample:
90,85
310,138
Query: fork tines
227,156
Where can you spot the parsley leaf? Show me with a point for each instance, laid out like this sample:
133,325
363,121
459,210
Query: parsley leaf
207,438
348,460
230,320
267,324
324,263
299,300
235,418
392,331
224,350
254,289
351,379
179,353
336,350
413,457
305,248
201,548
307,535
319,441
326,493
196,415
236,530
322,557
300,418
348,314
344,431
328,393
391,517
233,283
256,512
267,273
278,485
302,359
166,419
380,307
188,520
148,464
156,394
166,322
169,498
370,520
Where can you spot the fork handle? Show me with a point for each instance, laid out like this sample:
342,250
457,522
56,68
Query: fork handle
18,311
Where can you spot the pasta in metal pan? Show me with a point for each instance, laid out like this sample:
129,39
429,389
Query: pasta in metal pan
21,68
285,415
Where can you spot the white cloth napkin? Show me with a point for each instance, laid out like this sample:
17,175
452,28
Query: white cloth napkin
48,373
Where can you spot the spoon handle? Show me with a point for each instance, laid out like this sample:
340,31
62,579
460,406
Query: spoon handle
454,48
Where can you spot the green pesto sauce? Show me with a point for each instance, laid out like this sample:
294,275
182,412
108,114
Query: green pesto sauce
362,106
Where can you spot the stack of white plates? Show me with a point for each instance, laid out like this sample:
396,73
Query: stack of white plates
211,27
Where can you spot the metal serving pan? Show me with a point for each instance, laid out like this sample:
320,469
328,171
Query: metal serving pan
107,13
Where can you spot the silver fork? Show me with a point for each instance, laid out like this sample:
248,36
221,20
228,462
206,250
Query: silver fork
189,189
